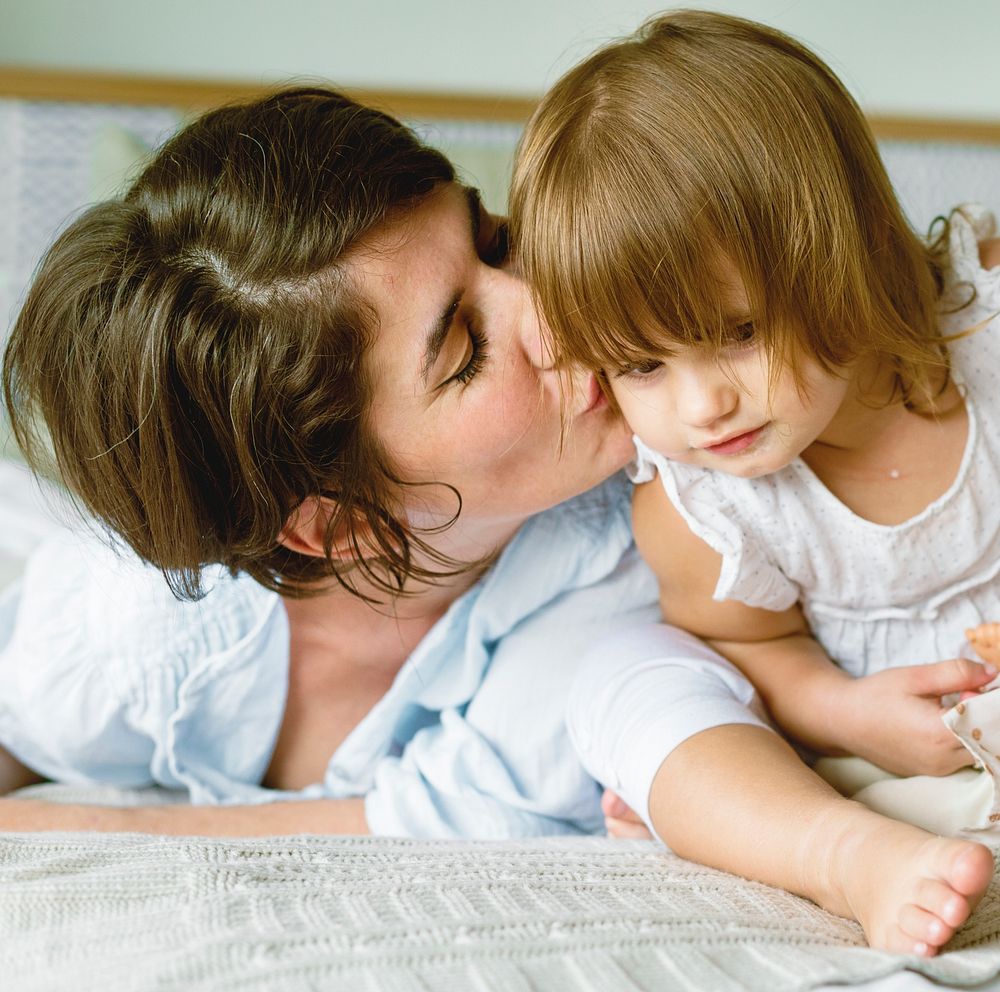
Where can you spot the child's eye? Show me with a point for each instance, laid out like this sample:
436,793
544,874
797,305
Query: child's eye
639,370
743,335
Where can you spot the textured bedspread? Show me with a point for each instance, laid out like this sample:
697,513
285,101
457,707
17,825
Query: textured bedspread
129,912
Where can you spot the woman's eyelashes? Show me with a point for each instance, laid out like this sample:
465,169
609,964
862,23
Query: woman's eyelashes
476,359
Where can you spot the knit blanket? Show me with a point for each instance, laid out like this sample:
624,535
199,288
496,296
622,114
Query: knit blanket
127,912
120,913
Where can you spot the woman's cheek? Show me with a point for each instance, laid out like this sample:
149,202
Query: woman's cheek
492,429
508,409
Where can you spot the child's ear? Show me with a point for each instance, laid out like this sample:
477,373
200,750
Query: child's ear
305,531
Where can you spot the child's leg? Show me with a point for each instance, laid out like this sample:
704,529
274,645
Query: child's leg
737,797
673,729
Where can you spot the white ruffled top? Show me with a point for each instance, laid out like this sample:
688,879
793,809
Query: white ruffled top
875,596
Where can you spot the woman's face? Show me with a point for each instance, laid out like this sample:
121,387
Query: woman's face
464,392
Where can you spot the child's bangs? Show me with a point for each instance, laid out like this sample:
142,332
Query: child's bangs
628,320
620,282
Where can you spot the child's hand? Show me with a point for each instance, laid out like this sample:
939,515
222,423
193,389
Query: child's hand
620,820
893,718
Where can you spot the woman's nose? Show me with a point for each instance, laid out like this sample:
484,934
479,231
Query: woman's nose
703,394
538,345
532,332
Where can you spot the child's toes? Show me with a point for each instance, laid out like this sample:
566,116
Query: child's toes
969,873
898,941
922,927
942,901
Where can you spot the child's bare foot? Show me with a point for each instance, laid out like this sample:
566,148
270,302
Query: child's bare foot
908,889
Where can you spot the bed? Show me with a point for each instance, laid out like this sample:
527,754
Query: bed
112,912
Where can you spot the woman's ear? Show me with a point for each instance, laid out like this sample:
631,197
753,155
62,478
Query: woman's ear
305,531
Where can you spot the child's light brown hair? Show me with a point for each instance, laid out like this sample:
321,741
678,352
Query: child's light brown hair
706,140
198,355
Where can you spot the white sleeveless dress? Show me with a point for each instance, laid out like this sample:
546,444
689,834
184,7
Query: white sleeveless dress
875,596
879,596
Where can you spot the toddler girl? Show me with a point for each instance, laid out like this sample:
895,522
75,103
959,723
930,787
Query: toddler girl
814,393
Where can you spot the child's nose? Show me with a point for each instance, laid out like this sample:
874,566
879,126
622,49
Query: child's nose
703,396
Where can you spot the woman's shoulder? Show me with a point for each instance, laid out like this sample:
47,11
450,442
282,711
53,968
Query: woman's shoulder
83,596
106,676
575,544
590,515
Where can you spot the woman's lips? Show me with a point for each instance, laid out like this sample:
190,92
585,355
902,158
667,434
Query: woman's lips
735,444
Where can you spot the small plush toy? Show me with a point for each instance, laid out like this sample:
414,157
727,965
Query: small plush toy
985,640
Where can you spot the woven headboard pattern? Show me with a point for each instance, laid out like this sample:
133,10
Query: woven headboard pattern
58,156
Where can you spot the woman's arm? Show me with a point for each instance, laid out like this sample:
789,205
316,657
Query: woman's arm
14,775
317,816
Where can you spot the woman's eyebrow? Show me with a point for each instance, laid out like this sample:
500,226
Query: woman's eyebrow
437,336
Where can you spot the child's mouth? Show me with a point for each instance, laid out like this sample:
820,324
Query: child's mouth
734,445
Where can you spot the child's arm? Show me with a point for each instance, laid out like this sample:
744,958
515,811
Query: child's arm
891,718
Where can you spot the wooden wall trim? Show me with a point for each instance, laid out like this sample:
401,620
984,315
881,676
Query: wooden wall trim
19,82
935,129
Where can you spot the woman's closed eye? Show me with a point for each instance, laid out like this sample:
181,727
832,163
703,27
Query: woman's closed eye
475,356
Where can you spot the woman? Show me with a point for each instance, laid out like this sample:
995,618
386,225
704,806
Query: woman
292,370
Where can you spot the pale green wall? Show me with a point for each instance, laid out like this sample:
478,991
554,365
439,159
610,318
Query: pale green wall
898,56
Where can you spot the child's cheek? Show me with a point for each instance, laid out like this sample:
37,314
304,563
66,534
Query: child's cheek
646,418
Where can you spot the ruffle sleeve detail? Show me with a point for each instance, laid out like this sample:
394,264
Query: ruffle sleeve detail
969,224
705,499
971,296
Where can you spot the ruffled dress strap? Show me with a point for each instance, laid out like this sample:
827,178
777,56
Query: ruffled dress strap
734,518
968,225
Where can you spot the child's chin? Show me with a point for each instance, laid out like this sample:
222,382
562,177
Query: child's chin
748,467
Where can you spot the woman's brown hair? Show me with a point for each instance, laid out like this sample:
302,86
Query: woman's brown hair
706,141
196,353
